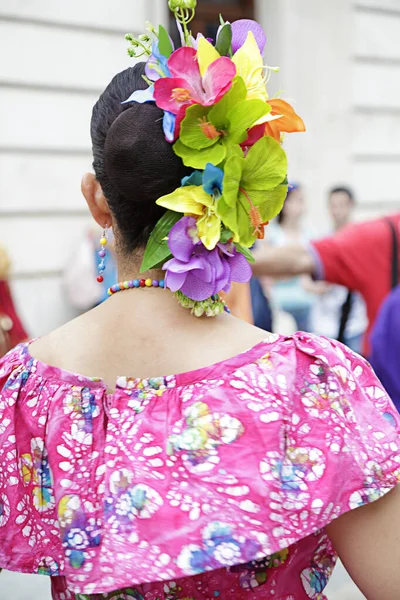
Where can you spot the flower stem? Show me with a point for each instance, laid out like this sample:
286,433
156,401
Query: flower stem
182,19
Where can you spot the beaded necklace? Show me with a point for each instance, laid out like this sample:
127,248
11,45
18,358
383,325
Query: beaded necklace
215,300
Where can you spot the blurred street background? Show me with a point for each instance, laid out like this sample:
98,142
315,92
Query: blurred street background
339,61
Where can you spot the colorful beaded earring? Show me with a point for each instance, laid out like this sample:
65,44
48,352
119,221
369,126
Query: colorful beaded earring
102,255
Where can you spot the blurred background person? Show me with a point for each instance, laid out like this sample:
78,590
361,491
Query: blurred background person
261,307
358,257
338,312
289,295
12,331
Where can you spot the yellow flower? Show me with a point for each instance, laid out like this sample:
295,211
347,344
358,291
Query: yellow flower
194,201
250,67
206,55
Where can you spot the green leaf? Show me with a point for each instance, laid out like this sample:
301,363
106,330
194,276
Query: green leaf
265,166
198,159
164,43
243,116
224,41
157,250
246,252
226,235
162,263
221,20
191,132
219,113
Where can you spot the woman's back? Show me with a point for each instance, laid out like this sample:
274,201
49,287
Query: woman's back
235,467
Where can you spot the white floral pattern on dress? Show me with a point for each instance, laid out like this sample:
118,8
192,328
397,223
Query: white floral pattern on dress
214,483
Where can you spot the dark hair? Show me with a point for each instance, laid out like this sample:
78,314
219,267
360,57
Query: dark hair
133,162
292,187
343,189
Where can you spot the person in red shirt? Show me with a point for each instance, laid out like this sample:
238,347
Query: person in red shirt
358,257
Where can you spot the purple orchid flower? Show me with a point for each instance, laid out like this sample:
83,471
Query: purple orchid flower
197,272
241,28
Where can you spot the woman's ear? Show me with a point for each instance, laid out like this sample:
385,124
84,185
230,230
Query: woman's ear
96,201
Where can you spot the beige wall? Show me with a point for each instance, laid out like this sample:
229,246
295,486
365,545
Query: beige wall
56,59
340,64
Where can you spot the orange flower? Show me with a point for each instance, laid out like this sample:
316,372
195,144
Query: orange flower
289,122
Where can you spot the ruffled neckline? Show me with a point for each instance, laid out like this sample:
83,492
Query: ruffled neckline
128,384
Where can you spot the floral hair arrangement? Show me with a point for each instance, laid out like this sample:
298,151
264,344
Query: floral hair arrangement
223,125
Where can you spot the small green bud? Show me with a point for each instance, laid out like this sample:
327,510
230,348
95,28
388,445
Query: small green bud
184,4
150,27
144,38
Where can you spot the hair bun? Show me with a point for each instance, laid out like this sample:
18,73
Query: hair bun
138,160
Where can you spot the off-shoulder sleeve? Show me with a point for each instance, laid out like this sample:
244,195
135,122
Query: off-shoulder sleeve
342,445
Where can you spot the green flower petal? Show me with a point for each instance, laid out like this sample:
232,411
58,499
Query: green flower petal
243,116
228,215
232,177
198,159
219,113
270,203
265,166
244,227
192,134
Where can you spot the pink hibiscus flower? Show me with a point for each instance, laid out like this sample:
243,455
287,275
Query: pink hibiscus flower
187,86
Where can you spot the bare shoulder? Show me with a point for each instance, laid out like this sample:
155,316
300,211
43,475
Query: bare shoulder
239,333
64,339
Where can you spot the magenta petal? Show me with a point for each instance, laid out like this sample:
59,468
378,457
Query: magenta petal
240,269
196,289
218,79
183,61
254,134
163,93
179,118
183,64
241,28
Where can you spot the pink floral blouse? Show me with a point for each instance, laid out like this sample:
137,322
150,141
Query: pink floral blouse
217,483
